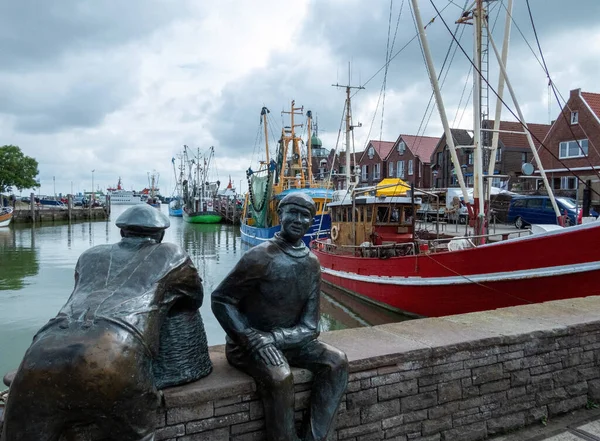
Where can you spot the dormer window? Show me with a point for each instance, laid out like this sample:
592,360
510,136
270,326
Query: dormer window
575,117
371,152
401,147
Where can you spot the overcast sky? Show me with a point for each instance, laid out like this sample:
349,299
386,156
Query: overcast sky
118,87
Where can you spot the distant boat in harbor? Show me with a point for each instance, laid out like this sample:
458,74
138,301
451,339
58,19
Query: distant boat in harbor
120,196
6,214
152,192
198,193
176,203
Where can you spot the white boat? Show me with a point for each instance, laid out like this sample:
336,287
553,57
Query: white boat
120,196
6,214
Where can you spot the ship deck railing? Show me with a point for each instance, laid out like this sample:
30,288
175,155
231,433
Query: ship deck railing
418,246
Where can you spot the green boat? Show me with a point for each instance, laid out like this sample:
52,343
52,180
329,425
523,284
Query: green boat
199,195
202,217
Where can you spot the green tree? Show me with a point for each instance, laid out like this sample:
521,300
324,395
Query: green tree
16,169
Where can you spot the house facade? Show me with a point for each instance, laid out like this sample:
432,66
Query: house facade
372,162
442,170
512,152
410,159
570,152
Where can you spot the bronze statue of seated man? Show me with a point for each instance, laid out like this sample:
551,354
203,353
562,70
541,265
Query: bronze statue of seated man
269,308
97,361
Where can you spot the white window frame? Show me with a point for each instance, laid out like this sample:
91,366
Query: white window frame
574,117
565,182
400,169
401,147
410,167
391,169
377,171
573,144
499,154
364,172
371,153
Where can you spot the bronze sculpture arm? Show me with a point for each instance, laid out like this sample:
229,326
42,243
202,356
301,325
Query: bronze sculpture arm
307,329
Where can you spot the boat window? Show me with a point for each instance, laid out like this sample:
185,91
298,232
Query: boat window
383,214
358,214
395,215
337,214
369,214
408,212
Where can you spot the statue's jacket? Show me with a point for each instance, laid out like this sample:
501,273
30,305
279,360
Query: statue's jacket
131,284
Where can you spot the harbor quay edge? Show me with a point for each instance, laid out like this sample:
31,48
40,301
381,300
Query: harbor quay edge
463,377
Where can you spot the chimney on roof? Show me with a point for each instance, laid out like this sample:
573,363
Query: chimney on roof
575,92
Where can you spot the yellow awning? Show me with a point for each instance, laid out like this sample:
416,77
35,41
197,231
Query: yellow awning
392,187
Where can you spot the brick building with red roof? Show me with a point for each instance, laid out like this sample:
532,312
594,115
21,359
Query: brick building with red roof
571,149
372,162
410,159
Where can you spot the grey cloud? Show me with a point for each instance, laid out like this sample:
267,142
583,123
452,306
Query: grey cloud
36,32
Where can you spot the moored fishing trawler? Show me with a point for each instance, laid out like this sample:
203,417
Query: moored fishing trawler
377,255
198,192
290,171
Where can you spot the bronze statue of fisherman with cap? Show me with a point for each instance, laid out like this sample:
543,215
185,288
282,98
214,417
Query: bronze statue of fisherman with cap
269,308
97,360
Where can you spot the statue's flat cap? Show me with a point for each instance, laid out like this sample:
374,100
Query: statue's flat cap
143,217
299,198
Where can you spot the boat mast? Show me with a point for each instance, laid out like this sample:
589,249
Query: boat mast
440,103
264,113
478,197
290,135
497,116
309,148
349,128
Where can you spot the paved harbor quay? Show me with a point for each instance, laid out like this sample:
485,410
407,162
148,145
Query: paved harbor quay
581,425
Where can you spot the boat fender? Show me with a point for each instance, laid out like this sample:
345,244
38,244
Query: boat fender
335,232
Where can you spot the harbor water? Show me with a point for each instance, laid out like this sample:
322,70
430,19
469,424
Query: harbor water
37,266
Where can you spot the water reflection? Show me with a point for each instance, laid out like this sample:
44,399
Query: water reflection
16,262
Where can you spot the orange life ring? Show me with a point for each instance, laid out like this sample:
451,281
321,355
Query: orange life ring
335,232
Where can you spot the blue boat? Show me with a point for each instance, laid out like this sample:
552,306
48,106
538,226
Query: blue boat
275,179
176,207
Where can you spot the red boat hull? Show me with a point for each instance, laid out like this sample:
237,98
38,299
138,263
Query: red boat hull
538,268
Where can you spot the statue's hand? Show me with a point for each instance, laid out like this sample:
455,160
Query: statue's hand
271,355
258,339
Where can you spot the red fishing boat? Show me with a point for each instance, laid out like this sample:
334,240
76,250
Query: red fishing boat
375,252
378,258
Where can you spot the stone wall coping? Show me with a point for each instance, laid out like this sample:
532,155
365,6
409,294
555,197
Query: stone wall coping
387,345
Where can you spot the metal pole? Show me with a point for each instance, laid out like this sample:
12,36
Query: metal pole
438,99
348,122
496,134
478,196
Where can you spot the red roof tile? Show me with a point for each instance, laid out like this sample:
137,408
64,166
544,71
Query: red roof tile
538,131
383,148
593,100
421,146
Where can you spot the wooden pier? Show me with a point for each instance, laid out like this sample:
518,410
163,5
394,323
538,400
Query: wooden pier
229,208
37,213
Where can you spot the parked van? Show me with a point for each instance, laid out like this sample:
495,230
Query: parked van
527,210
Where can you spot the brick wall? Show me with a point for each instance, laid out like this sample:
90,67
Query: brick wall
464,377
